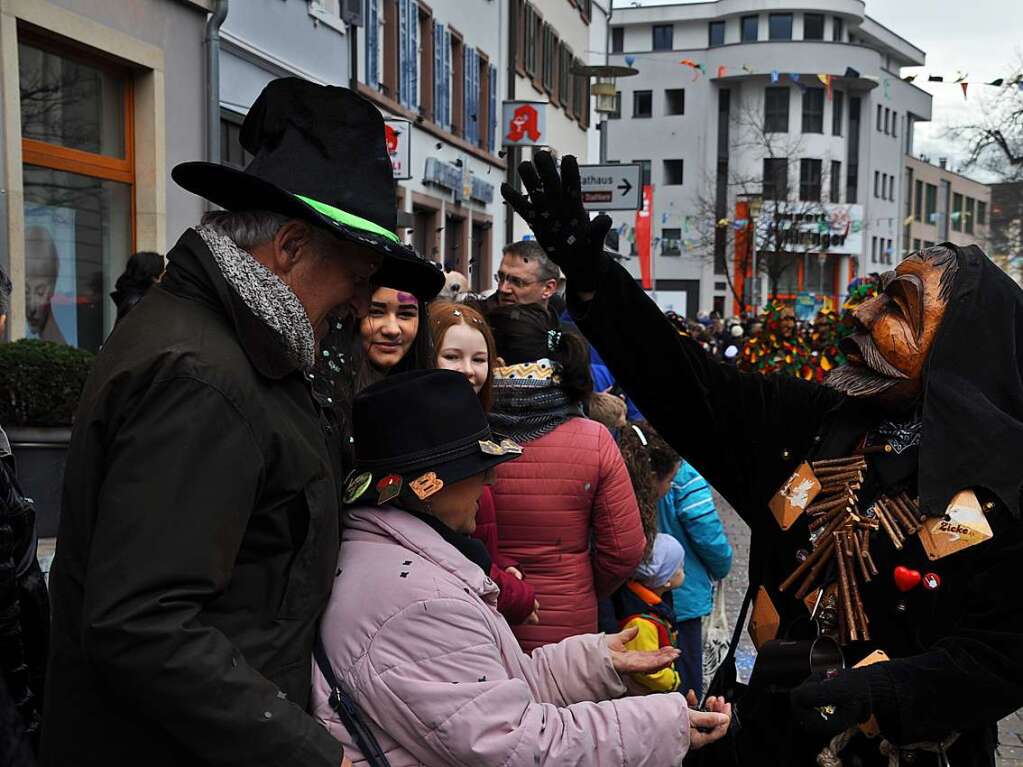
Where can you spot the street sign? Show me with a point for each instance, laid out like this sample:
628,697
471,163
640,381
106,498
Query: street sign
398,137
611,187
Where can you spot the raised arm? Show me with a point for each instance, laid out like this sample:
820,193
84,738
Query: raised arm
740,431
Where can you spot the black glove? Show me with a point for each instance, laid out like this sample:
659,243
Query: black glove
554,211
822,707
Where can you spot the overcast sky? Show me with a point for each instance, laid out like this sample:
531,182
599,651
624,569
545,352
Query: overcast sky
981,38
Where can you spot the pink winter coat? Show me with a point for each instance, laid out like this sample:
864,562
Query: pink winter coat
567,513
412,629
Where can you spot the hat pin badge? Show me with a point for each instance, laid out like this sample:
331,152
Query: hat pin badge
426,485
356,486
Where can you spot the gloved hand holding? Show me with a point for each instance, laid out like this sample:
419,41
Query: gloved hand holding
554,211
823,707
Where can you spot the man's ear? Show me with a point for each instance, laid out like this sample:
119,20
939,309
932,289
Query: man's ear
550,288
287,243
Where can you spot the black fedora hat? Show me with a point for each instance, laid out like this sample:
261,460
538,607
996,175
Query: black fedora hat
319,154
418,431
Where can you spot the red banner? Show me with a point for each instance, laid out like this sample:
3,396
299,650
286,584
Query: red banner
642,232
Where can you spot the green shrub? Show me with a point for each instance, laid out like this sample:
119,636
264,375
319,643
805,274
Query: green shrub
40,382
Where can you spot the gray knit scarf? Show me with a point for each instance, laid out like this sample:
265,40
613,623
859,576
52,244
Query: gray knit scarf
528,406
265,295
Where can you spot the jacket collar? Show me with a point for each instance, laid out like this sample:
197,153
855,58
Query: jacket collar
417,536
641,591
192,273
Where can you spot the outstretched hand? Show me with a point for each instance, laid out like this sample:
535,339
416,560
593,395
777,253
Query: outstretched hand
626,661
553,208
824,706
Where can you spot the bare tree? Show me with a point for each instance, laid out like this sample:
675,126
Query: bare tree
994,134
783,231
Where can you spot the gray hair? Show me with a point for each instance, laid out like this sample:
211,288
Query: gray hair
5,292
530,250
246,229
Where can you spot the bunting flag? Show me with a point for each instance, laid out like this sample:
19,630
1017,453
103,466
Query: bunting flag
935,79
996,83
908,220
960,76
850,72
722,223
909,78
740,224
721,71
826,79
747,69
964,86
775,76
630,60
697,68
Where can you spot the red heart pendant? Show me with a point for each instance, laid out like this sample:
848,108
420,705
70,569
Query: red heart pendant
906,579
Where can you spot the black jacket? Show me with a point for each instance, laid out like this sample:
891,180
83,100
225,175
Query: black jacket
198,541
958,651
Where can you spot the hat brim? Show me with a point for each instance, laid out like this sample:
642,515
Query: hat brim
235,190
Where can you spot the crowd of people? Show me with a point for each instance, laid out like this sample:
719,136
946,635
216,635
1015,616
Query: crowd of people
322,507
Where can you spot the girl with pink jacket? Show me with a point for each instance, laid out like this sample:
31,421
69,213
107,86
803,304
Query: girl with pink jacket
412,630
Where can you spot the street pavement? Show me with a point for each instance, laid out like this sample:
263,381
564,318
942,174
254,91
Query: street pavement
1010,729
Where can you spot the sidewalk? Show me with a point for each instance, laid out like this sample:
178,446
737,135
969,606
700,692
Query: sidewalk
1010,729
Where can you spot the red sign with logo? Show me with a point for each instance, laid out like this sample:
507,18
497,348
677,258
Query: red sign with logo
398,138
643,238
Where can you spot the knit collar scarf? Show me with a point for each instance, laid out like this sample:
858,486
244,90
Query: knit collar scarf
265,295
529,401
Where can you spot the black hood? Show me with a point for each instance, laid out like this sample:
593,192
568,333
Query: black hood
973,399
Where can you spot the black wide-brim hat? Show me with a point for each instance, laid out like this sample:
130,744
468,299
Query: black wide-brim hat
425,427
319,155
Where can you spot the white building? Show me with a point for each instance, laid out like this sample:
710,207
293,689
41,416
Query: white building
740,103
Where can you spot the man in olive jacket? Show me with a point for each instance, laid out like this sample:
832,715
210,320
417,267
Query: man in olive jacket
199,532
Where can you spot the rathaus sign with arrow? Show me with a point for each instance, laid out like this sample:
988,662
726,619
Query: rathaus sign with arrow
611,187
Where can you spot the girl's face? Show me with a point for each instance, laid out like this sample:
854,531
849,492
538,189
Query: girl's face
664,483
390,327
464,350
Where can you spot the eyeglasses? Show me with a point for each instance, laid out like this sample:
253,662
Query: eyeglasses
515,282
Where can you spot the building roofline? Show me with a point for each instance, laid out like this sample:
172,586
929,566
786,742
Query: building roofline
949,171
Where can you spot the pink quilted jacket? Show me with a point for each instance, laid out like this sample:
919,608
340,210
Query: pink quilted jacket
567,513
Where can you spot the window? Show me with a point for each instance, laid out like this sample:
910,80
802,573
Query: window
981,213
891,188
533,35
810,180
813,26
776,110
442,76
549,58
616,113
471,88
852,165
617,39
957,212
776,178
779,26
79,175
837,107
231,150
675,101
565,79
968,214
835,182
644,171
716,34
877,182
895,121
928,244
673,173
426,64
457,87
813,110
931,204
918,200
888,251
663,34
642,103
837,29
671,242
873,250
916,244
887,118
879,115
750,28
407,73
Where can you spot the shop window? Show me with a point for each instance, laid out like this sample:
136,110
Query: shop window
78,153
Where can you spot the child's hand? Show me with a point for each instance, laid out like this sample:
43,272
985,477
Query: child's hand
702,728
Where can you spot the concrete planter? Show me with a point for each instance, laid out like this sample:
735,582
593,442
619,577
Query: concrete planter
40,453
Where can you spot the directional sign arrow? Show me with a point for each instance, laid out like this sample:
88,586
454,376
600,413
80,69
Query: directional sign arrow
625,186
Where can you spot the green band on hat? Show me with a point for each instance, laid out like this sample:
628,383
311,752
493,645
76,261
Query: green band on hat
348,219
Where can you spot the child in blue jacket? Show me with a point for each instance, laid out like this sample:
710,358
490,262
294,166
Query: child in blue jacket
687,512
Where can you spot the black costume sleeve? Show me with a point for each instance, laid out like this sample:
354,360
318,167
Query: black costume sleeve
742,431
161,549
973,674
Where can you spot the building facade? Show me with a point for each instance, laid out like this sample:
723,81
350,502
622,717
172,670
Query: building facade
769,131
941,205
98,101
1007,228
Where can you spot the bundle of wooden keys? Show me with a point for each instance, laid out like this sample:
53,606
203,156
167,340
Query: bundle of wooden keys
841,532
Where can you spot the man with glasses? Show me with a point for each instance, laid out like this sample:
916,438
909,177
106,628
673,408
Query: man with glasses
526,275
